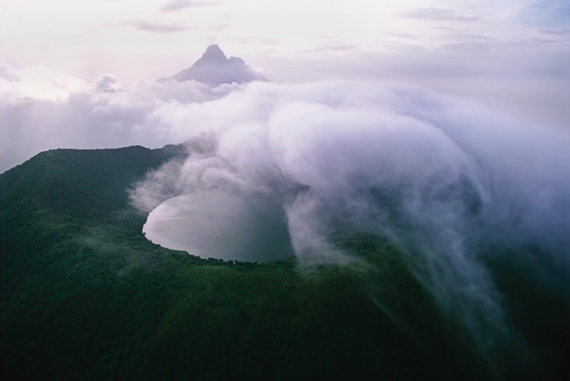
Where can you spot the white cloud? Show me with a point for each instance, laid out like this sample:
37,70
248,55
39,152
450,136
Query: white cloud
440,178
41,110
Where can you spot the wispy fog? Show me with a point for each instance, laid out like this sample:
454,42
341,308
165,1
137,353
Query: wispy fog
453,186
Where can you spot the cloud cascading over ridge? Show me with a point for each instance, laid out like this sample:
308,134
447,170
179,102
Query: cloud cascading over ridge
442,180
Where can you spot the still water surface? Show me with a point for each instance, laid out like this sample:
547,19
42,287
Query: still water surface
221,225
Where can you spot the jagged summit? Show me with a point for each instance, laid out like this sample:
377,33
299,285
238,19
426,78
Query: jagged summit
214,68
214,53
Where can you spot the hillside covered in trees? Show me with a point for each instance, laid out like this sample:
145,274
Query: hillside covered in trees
85,296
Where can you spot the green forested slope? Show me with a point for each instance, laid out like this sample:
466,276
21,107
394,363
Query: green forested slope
85,296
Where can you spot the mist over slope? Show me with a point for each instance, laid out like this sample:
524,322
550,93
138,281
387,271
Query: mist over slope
471,199
86,296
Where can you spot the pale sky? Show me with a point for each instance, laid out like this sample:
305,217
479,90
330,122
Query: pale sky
153,38
81,73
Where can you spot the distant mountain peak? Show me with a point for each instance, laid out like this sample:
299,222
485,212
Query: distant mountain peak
214,68
214,53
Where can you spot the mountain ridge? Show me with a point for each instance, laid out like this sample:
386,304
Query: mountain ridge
86,296
214,68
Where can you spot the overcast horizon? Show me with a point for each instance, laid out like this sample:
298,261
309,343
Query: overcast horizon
151,38
509,56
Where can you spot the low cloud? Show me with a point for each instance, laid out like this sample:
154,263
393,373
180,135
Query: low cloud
42,110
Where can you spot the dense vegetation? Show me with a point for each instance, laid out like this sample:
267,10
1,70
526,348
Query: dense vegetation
85,296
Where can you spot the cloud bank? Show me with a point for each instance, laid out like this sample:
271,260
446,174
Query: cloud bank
41,110
454,187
